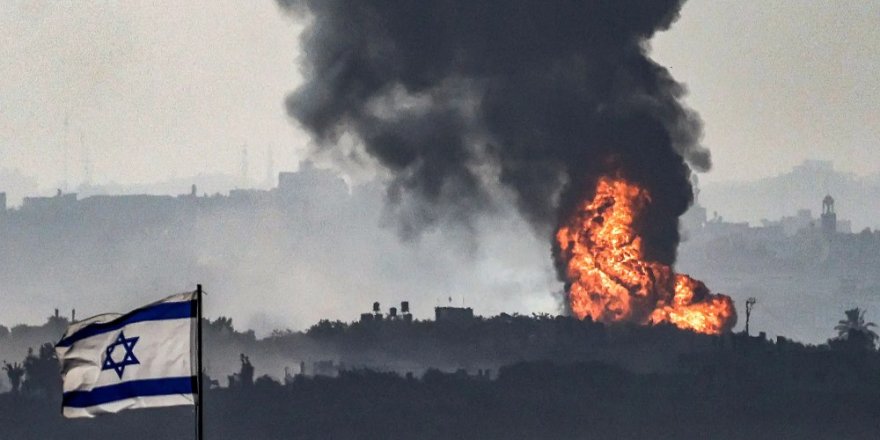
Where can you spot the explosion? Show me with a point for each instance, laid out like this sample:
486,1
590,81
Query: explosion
447,95
609,278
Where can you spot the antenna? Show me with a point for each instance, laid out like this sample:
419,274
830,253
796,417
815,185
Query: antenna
87,161
270,168
750,303
66,146
244,166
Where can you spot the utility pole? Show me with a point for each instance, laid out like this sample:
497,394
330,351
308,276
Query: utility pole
749,304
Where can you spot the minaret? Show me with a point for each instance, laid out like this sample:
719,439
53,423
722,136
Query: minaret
829,217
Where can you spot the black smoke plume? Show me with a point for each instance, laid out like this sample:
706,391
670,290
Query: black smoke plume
464,101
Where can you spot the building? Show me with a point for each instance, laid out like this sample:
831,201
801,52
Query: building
49,205
456,315
829,217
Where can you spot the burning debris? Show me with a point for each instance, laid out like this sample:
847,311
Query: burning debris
557,103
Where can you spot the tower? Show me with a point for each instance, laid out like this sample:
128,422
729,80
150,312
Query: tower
750,303
829,217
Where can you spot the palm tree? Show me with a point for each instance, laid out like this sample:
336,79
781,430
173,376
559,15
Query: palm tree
854,327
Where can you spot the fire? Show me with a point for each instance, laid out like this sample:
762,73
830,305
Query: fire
609,278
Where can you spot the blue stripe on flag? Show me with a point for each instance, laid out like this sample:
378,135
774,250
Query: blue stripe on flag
126,390
169,310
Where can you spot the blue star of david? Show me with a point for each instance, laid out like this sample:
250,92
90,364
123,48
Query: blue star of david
128,359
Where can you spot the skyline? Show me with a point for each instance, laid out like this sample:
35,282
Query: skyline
335,270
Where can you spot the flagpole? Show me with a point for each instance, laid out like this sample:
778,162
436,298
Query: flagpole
200,388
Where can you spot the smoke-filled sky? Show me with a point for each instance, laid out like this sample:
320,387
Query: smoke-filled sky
160,89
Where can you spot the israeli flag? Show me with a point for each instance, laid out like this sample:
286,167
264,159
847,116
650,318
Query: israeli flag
141,359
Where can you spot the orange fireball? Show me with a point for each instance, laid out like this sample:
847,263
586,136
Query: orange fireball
609,278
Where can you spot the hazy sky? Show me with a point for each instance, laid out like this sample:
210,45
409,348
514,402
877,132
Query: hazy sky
160,89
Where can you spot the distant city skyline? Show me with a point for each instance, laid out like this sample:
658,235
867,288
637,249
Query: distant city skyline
139,96
156,244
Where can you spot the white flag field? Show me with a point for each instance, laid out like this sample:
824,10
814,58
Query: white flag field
141,359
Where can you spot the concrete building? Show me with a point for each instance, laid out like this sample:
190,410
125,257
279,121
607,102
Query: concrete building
456,315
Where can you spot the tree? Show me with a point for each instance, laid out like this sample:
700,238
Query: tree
42,375
854,331
14,372
326,328
245,376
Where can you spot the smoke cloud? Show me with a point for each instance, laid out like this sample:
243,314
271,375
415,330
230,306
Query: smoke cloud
467,102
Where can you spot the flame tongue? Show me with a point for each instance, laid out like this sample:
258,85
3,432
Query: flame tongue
609,278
